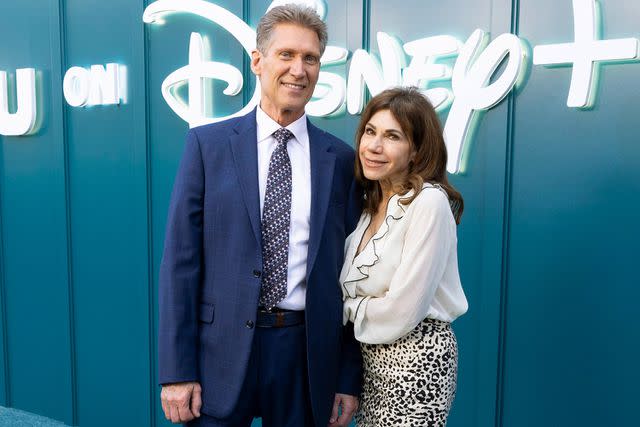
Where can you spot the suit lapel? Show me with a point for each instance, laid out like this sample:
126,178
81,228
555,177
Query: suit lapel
322,165
243,143
244,147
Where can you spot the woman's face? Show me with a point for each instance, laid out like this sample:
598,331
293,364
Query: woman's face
385,151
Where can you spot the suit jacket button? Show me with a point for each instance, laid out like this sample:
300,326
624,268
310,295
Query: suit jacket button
257,273
249,324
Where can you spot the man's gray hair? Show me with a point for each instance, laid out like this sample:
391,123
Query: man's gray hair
296,14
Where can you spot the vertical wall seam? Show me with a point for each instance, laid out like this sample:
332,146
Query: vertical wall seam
246,63
150,252
67,197
3,309
506,229
366,36
366,24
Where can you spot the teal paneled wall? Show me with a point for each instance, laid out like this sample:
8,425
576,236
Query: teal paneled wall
38,346
573,337
547,242
107,168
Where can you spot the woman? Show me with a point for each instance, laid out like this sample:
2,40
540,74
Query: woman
400,280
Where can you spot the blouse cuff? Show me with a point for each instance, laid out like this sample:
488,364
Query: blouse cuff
354,310
350,310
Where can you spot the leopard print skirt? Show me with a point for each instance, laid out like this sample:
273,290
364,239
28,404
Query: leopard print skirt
412,381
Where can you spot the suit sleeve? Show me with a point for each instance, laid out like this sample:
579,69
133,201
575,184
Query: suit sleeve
181,270
354,207
350,381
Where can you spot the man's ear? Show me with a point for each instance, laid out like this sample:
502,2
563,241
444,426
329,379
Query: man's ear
256,62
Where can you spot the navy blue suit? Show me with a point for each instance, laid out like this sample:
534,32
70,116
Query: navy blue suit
210,271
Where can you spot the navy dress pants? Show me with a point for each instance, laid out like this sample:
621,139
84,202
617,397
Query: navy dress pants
276,386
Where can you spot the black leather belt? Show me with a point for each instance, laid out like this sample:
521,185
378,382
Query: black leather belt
278,318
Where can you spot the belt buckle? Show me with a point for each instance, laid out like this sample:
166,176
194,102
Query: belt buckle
279,319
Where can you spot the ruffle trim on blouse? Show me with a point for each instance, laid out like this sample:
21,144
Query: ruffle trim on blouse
369,255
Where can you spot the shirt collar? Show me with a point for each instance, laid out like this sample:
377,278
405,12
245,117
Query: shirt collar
266,126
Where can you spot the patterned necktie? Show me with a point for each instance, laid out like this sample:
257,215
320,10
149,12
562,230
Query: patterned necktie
276,218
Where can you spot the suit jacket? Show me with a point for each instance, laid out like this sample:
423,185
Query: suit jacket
210,270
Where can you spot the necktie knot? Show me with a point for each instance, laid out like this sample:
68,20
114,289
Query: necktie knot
282,135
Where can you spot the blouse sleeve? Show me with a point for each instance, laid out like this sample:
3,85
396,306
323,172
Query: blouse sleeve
429,238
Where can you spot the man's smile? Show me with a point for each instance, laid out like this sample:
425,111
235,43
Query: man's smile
294,86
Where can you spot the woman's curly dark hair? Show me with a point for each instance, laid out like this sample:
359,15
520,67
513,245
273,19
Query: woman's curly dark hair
420,123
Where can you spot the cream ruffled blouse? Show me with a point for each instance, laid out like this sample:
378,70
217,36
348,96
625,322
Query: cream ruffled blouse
408,270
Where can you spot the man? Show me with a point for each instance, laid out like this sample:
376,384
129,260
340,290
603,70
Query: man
250,304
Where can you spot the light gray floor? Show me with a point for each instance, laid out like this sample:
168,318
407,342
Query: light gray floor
16,418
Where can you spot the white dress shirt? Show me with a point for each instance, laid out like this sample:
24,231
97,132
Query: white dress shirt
408,271
298,150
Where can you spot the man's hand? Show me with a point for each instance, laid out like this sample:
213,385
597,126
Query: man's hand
181,402
349,405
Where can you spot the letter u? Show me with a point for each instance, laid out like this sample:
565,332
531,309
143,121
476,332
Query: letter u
23,121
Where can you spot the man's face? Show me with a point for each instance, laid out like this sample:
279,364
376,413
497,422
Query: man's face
288,71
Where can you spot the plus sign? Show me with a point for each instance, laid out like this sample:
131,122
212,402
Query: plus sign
585,53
